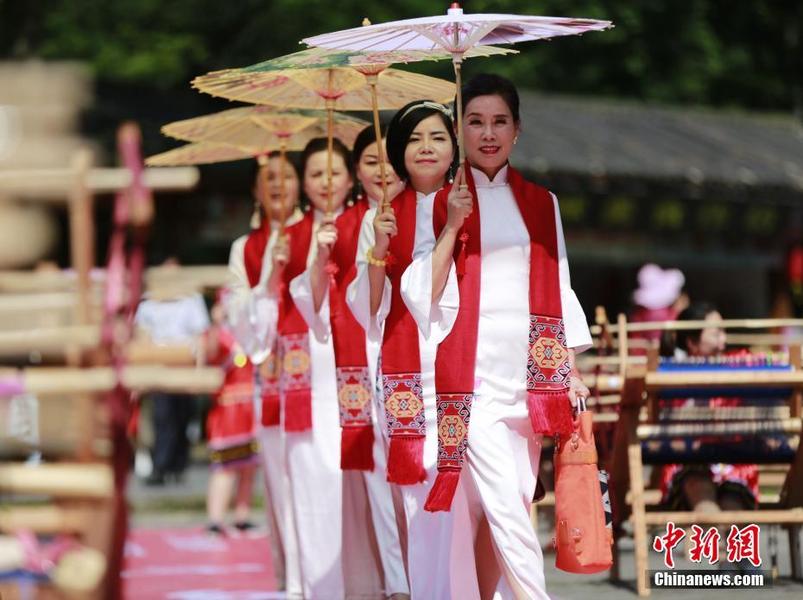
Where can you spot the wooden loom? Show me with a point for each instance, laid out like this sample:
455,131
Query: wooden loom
639,429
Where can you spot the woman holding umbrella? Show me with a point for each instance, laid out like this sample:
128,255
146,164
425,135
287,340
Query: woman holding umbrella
256,263
421,148
308,385
363,454
497,282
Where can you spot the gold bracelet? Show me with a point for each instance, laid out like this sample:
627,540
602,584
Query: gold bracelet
377,262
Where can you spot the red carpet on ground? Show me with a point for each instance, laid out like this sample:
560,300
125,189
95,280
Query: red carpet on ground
189,564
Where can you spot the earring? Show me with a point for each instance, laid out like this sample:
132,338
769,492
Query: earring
256,216
515,140
306,208
360,195
350,201
451,174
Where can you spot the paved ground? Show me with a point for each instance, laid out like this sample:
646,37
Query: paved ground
177,506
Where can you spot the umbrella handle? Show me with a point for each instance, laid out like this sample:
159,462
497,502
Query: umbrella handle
330,126
372,81
457,61
282,188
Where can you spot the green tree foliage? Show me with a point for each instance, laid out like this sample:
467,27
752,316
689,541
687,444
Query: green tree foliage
716,52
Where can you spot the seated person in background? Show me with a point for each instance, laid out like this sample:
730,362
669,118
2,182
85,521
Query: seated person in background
712,487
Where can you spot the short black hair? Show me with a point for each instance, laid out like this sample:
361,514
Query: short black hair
696,311
366,137
488,84
401,128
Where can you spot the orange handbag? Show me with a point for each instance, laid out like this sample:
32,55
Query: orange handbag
583,527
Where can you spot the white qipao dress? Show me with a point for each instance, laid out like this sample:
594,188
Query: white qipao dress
440,556
501,462
383,526
252,314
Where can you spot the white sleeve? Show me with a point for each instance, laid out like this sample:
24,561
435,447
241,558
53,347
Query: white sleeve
251,313
199,316
237,282
578,336
434,319
358,293
301,291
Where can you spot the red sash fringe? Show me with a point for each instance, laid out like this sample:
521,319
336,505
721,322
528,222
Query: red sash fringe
354,389
401,361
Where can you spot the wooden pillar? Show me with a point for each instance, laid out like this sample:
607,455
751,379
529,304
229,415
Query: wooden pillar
82,241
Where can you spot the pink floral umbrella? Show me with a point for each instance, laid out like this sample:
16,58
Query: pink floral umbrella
456,33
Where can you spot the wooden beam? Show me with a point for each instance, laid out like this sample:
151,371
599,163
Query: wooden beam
48,340
197,277
46,520
66,480
726,377
54,184
139,378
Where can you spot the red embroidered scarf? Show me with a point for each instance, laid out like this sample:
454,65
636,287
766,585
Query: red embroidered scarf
267,376
354,389
295,378
548,357
401,361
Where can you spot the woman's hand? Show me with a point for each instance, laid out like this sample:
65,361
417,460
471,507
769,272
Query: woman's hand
384,228
577,388
281,253
326,238
460,201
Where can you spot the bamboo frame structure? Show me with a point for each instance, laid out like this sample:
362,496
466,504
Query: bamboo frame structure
73,404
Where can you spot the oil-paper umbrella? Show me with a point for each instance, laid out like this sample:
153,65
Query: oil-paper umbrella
254,83
455,33
199,153
308,85
253,131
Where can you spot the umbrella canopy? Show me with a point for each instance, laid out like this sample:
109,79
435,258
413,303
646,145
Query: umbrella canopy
364,62
329,87
199,153
455,33
341,88
262,128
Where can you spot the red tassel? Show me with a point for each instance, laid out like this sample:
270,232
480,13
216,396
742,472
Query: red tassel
550,412
298,410
406,459
357,448
442,492
270,410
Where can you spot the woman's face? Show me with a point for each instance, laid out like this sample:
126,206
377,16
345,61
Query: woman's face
315,185
489,132
712,338
269,188
370,174
428,154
